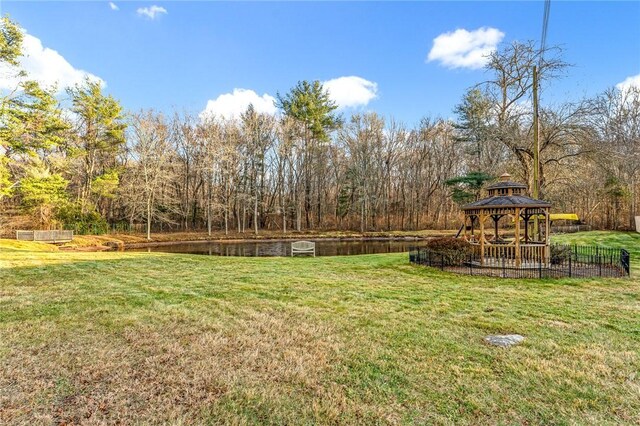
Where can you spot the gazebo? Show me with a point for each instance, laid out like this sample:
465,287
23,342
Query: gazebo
529,245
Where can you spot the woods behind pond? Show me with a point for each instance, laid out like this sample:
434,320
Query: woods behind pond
97,167
159,338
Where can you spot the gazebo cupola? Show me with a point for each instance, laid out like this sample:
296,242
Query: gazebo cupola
506,187
507,199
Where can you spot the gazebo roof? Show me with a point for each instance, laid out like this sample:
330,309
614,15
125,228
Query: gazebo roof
506,194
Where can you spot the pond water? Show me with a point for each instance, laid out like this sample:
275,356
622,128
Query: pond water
283,248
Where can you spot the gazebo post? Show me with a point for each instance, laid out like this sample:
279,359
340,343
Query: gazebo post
518,258
525,217
464,229
473,231
547,237
481,218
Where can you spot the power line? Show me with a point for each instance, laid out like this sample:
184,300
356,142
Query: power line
545,25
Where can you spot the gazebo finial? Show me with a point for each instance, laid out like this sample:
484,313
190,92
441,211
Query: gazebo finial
505,177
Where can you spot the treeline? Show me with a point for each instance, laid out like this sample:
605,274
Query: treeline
90,166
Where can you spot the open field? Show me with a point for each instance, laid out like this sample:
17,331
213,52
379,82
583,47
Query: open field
123,337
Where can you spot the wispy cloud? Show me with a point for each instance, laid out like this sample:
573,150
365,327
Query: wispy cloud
113,6
151,12
465,49
44,65
352,91
629,82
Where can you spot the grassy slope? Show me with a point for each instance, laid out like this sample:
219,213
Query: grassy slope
626,240
93,337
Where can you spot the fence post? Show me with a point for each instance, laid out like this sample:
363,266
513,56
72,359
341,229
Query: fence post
504,273
599,265
539,267
569,264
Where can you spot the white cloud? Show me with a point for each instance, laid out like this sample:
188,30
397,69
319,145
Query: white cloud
346,92
151,12
351,91
44,65
231,105
629,82
465,49
113,6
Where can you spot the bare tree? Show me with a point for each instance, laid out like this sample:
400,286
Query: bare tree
151,152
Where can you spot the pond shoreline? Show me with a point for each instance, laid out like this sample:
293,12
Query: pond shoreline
121,242
282,247
152,244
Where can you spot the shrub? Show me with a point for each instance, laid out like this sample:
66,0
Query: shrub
454,251
89,222
559,254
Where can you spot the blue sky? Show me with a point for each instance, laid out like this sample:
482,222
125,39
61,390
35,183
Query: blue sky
191,53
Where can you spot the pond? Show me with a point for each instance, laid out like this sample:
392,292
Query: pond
283,248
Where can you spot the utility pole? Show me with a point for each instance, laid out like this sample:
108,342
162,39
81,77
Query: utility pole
536,149
536,136
536,124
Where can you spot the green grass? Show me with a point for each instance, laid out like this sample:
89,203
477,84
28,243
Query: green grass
626,240
156,338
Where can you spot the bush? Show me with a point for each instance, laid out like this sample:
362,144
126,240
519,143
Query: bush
454,251
559,254
89,222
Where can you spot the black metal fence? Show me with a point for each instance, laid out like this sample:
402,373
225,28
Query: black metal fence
564,261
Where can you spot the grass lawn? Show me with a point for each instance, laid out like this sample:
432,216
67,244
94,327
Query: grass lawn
117,337
626,240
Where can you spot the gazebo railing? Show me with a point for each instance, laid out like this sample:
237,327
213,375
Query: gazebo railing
528,252
563,261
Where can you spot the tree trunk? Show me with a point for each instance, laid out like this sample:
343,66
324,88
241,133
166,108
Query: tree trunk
255,212
149,218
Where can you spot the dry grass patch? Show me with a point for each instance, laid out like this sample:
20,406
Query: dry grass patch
178,371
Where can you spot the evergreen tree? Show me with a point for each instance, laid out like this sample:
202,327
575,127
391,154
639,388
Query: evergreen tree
10,41
475,128
43,193
31,122
99,137
309,104
466,189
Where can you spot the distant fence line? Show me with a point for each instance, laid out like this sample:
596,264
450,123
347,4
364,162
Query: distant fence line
565,261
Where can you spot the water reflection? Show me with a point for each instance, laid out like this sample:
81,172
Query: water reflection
283,248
